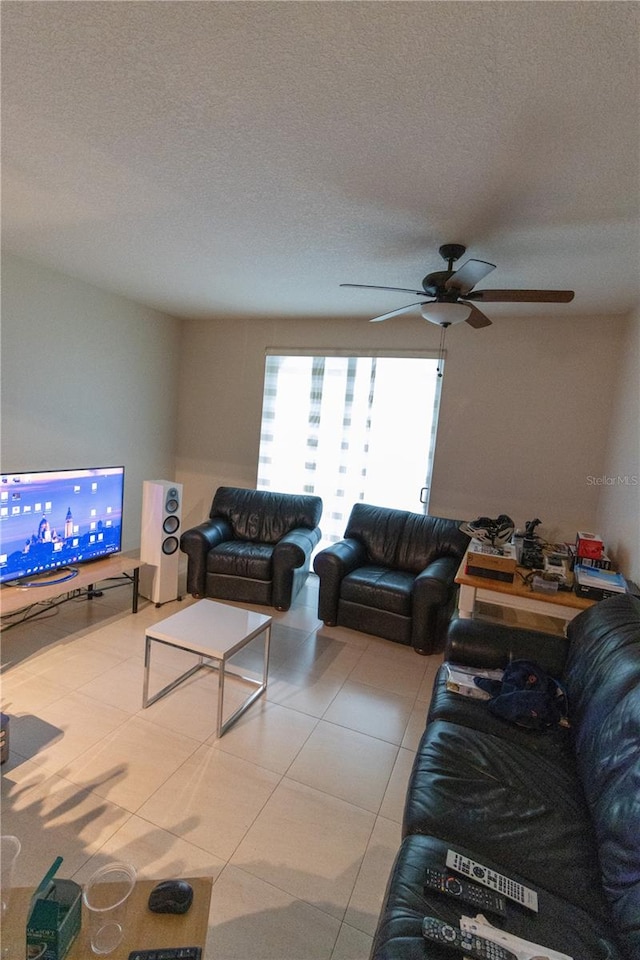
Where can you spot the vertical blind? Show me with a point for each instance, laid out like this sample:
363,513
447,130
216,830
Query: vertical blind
348,429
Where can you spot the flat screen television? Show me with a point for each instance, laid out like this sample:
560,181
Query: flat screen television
53,520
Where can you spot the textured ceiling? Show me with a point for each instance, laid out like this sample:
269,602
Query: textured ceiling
244,158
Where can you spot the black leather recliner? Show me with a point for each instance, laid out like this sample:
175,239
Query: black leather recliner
255,547
392,575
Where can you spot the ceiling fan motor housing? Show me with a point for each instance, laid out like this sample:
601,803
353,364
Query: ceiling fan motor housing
434,285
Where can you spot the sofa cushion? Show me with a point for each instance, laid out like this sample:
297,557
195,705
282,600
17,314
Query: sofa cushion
555,743
264,516
603,682
506,802
381,588
567,927
403,540
241,559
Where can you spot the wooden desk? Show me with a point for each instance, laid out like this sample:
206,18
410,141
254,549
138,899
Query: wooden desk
144,929
17,598
563,605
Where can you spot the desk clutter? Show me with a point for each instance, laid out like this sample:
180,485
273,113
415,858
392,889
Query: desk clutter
110,913
582,566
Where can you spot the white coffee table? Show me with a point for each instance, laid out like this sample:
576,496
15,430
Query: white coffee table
216,632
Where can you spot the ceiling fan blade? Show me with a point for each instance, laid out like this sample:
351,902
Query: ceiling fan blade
369,286
394,313
468,275
477,318
522,296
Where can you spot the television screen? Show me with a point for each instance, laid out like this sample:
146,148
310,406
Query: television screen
58,518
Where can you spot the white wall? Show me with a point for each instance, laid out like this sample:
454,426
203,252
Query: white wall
88,379
531,408
519,430
618,517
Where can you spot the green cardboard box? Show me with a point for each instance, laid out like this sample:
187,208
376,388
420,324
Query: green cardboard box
55,916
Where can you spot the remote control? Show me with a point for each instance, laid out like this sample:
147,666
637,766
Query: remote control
496,881
167,953
469,943
473,893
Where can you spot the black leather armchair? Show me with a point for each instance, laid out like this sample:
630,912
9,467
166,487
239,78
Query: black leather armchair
255,547
392,576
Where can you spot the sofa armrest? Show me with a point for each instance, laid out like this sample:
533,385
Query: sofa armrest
293,549
290,553
479,643
196,543
434,583
432,602
332,565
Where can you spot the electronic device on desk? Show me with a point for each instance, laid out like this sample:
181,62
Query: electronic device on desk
532,554
51,521
171,896
557,566
492,563
167,953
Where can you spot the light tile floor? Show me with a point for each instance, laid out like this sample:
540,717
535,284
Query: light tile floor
295,812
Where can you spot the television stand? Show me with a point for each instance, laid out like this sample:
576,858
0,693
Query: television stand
19,597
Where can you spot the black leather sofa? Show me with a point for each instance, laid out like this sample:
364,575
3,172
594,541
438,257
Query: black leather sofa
392,575
557,811
255,547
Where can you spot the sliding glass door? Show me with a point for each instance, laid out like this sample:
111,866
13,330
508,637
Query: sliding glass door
349,428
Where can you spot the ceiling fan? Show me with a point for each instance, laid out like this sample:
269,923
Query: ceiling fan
450,292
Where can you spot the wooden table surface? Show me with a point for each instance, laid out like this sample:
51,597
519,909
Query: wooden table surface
18,597
564,598
145,930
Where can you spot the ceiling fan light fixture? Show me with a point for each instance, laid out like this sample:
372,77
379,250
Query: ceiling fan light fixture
449,313
451,290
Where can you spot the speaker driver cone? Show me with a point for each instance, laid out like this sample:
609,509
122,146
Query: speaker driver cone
170,545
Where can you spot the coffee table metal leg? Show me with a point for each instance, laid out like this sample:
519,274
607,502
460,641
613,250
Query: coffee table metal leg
221,671
147,660
267,647
146,699
223,726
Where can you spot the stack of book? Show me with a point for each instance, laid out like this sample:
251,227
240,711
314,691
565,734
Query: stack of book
596,584
594,574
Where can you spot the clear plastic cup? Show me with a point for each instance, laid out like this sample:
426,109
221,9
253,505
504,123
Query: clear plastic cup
9,850
106,896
